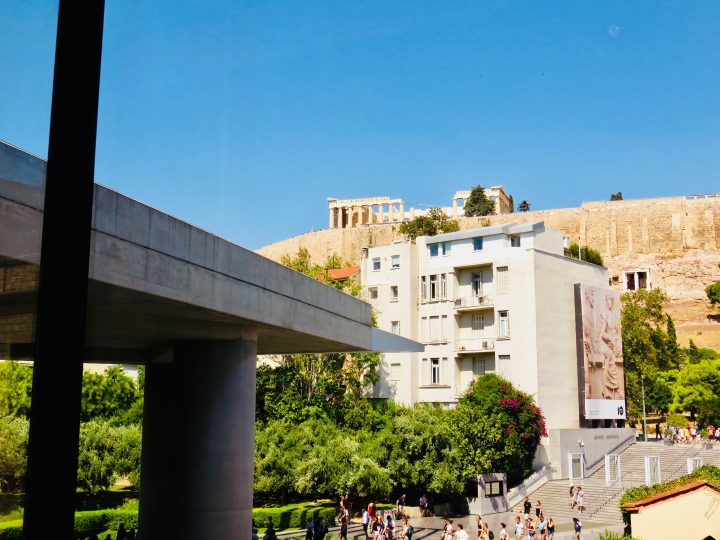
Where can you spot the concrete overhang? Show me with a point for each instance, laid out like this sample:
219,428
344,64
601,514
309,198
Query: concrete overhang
155,280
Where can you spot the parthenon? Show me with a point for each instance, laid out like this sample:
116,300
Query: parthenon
345,213
348,213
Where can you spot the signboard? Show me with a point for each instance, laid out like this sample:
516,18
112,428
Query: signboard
603,370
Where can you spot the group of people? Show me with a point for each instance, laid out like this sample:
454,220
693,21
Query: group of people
577,498
377,528
688,434
537,527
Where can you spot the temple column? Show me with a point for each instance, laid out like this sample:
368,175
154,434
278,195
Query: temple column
455,209
381,212
402,212
346,213
391,212
331,223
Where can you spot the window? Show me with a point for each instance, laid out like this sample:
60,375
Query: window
373,293
514,241
395,262
477,285
503,285
504,367
433,250
394,372
424,329
478,324
445,248
376,264
577,469
504,326
443,286
480,366
434,328
423,289
434,371
612,468
693,464
636,279
434,292
477,244
393,292
494,488
443,328
395,327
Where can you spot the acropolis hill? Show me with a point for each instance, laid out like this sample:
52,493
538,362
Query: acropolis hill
675,239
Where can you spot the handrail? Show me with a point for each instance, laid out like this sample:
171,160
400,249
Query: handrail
615,448
535,481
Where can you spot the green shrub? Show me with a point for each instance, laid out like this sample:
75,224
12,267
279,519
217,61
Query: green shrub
293,517
609,535
126,517
92,521
11,529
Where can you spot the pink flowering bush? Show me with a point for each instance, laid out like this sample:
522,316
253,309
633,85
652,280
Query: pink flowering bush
500,429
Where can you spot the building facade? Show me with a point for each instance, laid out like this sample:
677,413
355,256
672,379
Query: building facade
497,299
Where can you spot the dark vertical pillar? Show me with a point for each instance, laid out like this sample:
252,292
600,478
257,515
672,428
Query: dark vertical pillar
62,293
207,492
154,516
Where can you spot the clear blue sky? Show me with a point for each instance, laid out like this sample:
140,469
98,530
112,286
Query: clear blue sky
242,117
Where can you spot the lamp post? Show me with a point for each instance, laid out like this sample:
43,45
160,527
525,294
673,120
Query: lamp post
642,385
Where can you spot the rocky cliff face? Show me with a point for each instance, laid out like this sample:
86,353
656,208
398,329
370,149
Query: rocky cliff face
676,239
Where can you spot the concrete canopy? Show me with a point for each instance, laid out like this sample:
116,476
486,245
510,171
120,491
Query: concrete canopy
155,280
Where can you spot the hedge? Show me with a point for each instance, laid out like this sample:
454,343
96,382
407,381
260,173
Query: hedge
86,523
293,518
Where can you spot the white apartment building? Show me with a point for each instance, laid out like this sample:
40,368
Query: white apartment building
493,299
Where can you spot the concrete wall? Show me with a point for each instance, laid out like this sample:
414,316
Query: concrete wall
595,444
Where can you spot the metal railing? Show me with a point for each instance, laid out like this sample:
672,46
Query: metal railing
473,301
475,345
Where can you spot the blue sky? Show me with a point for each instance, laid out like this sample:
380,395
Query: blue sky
242,117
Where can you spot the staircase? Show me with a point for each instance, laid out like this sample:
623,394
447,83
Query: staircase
601,500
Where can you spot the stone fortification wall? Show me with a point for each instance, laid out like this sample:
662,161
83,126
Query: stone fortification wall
676,238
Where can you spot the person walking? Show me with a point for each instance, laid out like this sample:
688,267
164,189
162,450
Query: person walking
573,496
581,499
365,521
461,534
343,528
519,529
531,527
527,506
310,530
542,528
550,528
538,509
503,532
577,526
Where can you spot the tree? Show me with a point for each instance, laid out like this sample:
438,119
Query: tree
15,389
524,206
13,452
616,196
697,386
478,204
107,395
713,293
96,458
646,343
499,429
512,204
436,221
586,254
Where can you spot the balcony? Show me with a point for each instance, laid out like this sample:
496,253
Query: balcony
470,303
477,345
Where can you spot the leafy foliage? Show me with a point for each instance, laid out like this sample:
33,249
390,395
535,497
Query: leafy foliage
106,452
15,387
500,428
13,452
435,222
586,254
616,196
524,206
107,395
478,204
713,293
697,386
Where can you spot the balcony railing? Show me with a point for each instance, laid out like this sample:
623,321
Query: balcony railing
470,302
475,345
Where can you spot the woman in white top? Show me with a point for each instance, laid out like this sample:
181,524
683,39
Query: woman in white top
503,532
519,529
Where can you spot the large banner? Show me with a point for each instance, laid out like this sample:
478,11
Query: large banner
603,368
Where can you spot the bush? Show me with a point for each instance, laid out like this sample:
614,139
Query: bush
11,529
587,254
293,516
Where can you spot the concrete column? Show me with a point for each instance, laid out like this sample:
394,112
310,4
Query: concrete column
208,446
348,217
412,214
402,212
331,223
455,209
154,516
391,211
381,212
